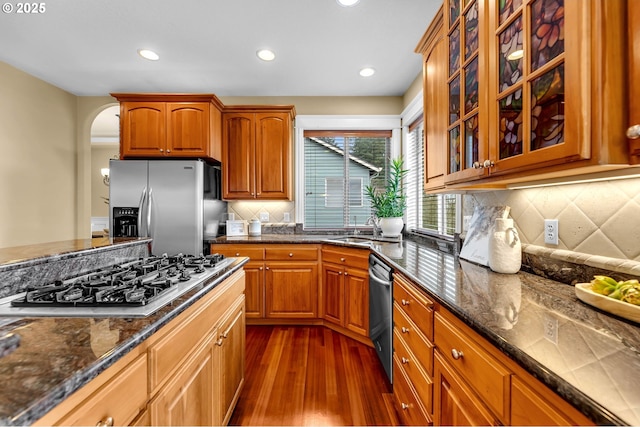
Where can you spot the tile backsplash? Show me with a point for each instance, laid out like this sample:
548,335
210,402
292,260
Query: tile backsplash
247,210
599,218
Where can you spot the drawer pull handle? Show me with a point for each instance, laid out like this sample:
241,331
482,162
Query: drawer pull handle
405,302
290,254
405,330
405,405
107,422
405,360
456,354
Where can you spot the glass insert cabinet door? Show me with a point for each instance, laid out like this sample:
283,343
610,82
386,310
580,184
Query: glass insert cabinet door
466,137
535,52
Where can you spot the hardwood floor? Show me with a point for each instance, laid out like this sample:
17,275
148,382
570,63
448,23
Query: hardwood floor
298,375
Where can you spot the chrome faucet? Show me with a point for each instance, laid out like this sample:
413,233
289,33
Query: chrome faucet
373,221
355,226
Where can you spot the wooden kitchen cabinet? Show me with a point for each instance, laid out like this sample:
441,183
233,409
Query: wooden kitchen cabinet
190,372
179,402
254,271
545,115
231,340
345,288
434,50
256,151
282,280
170,125
413,348
455,403
633,49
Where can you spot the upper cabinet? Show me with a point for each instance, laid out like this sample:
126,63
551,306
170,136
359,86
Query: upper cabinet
633,49
256,152
536,89
170,125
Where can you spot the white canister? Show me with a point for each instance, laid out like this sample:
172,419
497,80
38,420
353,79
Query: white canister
255,228
505,249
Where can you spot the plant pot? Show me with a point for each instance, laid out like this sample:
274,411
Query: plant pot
391,227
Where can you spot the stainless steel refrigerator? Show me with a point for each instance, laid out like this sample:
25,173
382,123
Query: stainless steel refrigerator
171,201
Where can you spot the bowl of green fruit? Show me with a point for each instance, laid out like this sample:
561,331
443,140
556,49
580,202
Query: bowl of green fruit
621,298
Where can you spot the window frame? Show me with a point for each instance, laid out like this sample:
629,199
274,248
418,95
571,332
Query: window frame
341,123
410,114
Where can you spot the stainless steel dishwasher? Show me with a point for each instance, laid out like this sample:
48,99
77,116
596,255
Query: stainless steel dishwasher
381,311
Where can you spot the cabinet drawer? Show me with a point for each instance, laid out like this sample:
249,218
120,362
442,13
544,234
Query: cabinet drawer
255,253
357,258
418,343
414,370
121,398
407,403
418,307
485,374
303,253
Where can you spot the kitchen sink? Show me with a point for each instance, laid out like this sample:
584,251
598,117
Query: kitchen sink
362,240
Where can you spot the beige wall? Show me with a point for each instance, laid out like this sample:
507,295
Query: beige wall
412,91
37,166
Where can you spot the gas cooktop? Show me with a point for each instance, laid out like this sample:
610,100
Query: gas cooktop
131,289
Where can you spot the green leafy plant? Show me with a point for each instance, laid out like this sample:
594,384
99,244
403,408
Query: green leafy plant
389,202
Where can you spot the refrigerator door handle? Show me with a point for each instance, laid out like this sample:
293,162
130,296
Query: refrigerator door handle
149,206
143,198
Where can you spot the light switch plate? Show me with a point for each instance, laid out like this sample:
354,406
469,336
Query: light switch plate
264,216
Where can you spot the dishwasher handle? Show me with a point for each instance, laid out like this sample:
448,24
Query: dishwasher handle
373,277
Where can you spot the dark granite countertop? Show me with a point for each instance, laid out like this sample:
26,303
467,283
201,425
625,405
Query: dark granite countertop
595,361
57,356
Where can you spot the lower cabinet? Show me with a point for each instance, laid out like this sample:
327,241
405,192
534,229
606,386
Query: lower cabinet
179,402
473,382
190,372
291,290
455,404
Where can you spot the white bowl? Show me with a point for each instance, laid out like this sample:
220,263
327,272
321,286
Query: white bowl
611,305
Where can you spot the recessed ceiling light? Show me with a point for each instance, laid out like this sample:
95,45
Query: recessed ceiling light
367,72
266,55
148,54
347,3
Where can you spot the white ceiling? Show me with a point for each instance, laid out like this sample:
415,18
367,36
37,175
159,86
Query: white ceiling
209,46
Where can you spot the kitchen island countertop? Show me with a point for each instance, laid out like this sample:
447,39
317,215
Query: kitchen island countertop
594,363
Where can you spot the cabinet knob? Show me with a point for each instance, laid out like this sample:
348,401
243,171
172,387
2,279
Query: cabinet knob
107,422
404,405
266,268
633,132
168,151
260,268
161,150
405,302
342,260
219,342
488,164
237,253
477,165
339,273
405,360
290,255
346,274
456,354
405,330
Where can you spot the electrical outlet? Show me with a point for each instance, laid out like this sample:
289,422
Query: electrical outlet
551,231
287,217
264,216
551,329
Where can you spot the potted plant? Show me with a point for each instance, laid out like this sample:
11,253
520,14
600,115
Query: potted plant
389,203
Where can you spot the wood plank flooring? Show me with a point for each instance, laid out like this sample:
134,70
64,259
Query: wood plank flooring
298,375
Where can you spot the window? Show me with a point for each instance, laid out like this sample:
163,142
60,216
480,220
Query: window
428,213
338,165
